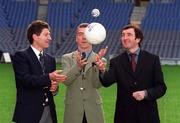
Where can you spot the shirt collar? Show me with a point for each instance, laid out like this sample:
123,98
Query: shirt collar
136,52
88,53
37,52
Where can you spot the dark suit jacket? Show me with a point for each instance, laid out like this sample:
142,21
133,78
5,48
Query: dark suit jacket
148,76
30,83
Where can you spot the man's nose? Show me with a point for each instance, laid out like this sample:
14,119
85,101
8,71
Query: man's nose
49,37
84,38
125,37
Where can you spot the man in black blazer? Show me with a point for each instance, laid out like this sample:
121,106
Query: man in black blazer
36,78
139,80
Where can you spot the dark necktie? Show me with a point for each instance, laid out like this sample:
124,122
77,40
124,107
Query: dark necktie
83,56
133,62
41,59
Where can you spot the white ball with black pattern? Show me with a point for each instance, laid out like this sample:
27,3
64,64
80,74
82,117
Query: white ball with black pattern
95,12
95,33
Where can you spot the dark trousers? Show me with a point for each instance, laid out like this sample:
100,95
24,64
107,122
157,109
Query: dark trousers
84,118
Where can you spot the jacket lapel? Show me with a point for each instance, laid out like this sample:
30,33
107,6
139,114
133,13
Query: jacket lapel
90,60
140,63
34,58
46,63
126,64
73,57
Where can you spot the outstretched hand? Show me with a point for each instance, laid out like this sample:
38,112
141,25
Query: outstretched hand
102,52
100,64
57,76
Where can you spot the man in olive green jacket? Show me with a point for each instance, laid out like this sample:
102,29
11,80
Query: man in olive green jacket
83,103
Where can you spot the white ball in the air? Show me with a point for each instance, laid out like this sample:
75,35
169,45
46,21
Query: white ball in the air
95,33
95,12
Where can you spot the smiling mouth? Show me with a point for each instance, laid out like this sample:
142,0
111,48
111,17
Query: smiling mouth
84,42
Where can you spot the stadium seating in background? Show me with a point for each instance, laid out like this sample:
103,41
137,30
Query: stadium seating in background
162,29
65,17
6,43
160,24
17,15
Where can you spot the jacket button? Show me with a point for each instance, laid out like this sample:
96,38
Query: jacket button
81,88
43,104
46,99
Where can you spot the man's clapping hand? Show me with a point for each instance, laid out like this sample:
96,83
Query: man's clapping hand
57,76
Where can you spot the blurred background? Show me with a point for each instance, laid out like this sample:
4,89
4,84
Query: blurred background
159,20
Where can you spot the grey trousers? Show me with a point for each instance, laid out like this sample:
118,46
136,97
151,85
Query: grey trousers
46,116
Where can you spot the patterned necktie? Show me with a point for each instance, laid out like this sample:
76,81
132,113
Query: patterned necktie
133,62
83,55
41,59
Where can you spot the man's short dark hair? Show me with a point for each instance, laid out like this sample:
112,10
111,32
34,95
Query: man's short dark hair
82,25
36,27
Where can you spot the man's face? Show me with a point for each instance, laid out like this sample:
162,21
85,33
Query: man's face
42,41
129,40
81,40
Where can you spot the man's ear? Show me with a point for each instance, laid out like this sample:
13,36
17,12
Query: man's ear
34,36
137,40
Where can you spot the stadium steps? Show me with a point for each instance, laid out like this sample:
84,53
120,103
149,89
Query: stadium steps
138,14
42,9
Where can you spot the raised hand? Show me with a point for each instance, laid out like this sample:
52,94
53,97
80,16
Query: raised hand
80,62
98,60
102,52
100,64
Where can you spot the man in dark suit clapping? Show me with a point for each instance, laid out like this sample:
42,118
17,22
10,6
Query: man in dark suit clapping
36,78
